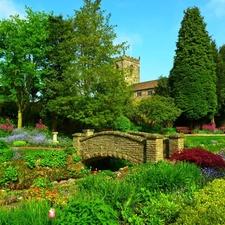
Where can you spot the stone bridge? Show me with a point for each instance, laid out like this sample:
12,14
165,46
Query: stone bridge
135,147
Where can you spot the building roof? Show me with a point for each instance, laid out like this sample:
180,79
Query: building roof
145,85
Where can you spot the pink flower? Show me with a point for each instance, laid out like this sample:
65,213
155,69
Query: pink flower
51,213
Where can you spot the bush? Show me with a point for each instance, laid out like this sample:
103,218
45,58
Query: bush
122,124
19,143
3,144
200,157
88,212
6,155
164,176
207,207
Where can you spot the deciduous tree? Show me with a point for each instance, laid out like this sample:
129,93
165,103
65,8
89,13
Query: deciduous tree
21,51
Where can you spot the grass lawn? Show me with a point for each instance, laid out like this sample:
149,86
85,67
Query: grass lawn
211,143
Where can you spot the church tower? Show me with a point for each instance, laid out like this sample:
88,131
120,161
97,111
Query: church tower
131,66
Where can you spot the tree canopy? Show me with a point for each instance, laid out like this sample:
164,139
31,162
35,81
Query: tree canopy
21,51
193,77
159,109
97,91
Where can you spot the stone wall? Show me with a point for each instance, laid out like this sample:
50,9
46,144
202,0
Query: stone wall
136,147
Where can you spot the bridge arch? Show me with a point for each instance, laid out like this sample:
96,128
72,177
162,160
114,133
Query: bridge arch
135,147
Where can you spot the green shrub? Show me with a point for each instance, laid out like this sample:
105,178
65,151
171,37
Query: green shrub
77,158
11,174
207,207
3,144
19,143
109,190
6,155
48,158
122,124
164,176
41,182
88,212
69,150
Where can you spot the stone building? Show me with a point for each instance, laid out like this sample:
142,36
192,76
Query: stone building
131,66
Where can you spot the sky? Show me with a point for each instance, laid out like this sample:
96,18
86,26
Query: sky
150,27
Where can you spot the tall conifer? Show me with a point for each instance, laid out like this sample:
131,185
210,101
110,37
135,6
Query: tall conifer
193,77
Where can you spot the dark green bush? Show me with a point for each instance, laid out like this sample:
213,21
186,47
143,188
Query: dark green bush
6,155
3,144
164,176
69,150
122,124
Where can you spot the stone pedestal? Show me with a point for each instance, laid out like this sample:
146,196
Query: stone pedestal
176,143
55,137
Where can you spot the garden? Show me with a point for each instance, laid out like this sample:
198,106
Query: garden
45,182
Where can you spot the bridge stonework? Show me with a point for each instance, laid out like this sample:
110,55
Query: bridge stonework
135,147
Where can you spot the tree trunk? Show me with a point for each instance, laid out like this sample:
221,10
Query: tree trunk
20,118
54,123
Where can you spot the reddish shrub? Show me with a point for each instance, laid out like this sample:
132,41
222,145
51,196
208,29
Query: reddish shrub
200,157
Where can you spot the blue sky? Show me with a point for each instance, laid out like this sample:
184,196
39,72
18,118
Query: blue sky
149,26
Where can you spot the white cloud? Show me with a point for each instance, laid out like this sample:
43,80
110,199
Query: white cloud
8,7
217,6
131,39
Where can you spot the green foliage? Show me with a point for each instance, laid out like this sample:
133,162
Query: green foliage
6,155
122,124
88,212
90,89
3,144
41,182
193,78
77,158
19,143
158,208
164,176
22,47
10,174
162,88
219,59
32,212
48,158
210,143
207,207
69,150
159,109
108,190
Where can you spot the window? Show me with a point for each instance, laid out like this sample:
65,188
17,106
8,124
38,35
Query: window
139,94
150,93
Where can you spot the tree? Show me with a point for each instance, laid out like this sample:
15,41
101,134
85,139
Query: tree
98,91
193,77
58,79
220,73
159,109
21,51
162,87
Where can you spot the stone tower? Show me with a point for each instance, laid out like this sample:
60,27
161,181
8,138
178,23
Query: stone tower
131,66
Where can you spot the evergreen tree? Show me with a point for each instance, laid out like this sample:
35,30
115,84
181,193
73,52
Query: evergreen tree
58,78
162,87
220,72
193,77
